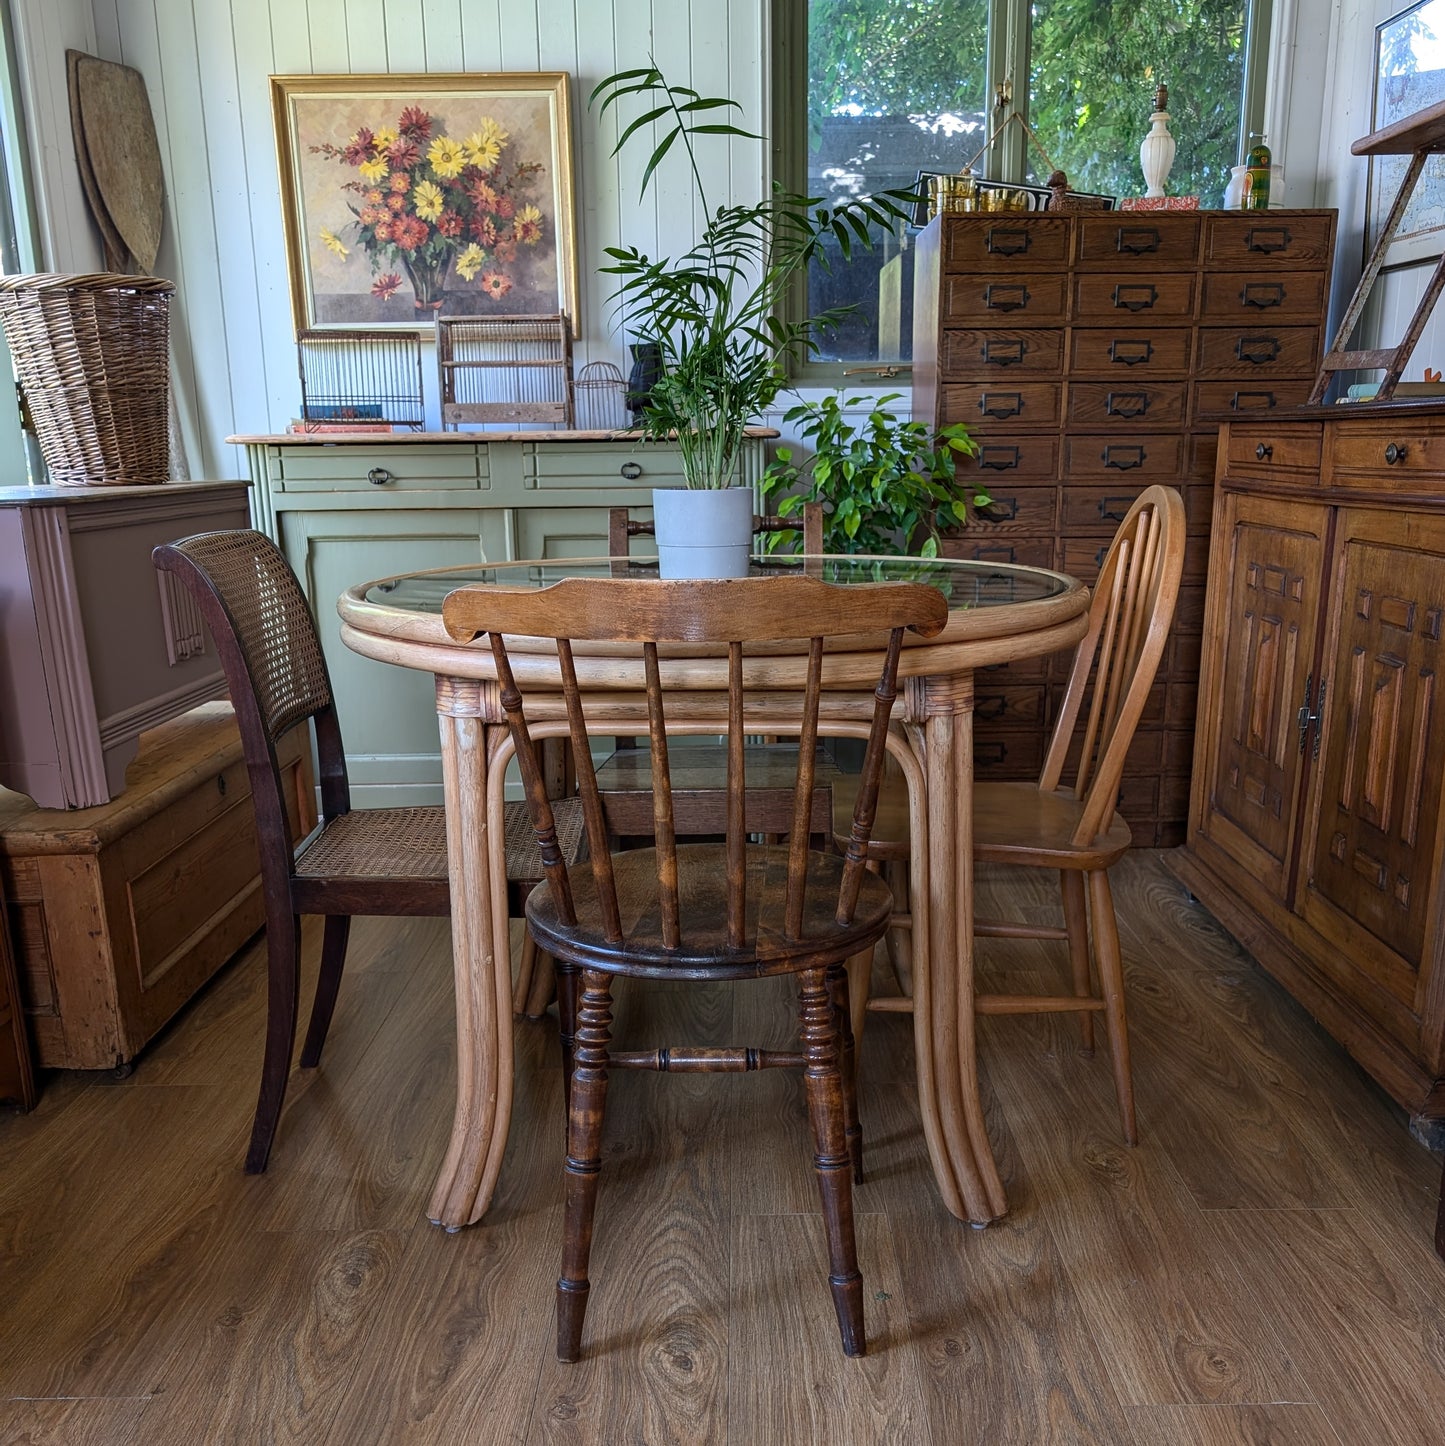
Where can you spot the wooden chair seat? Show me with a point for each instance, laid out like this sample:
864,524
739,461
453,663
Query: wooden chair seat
702,886
1022,823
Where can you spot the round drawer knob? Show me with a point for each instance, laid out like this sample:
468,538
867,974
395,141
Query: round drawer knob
1395,452
632,470
379,477
1264,451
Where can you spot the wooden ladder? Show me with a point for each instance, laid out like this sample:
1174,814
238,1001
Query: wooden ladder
1418,136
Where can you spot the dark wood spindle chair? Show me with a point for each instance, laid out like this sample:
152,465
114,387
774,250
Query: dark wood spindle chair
1071,826
703,911
390,861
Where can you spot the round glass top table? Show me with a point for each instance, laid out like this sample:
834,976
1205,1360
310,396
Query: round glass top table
998,612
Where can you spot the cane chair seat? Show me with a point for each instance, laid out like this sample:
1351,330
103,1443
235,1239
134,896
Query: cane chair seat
702,897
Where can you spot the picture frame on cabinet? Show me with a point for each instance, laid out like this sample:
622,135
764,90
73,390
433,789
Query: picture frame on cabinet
1409,75
405,197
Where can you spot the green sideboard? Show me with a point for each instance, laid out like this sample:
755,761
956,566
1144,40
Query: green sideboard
345,509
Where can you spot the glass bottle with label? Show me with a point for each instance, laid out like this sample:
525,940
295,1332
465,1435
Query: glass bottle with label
1258,160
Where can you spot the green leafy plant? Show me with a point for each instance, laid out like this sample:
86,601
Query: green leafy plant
883,482
714,310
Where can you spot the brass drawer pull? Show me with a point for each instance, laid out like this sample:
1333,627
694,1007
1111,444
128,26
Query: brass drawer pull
1263,452
990,708
998,458
1127,459
1004,351
1257,350
1267,239
1136,240
1001,509
1140,297
1241,402
1126,404
1262,296
1395,452
1009,298
1130,353
1007,241
1001,404
631,470
379,477
1113,509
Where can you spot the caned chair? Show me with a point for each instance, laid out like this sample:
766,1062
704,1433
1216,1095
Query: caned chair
390,861
1071,827
702,911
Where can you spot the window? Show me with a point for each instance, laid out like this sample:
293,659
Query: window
868,93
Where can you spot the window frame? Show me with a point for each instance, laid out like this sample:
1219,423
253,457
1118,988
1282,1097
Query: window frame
1009,37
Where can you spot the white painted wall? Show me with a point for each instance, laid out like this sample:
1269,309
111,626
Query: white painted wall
206,64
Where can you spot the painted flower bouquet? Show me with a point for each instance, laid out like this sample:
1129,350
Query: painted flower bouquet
426,202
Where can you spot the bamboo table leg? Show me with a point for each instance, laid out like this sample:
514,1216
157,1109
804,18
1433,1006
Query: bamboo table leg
943,970
483,983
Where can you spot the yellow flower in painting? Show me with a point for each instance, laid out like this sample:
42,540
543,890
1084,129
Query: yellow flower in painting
384,139
483,148
332,242
373,170
428,200
527,225
446,156
470,261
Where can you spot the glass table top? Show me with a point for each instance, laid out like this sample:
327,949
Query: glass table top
965,584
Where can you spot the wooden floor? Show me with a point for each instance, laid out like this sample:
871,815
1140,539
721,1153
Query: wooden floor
1258,1270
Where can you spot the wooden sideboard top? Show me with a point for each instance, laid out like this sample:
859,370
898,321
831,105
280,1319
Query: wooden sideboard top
51,496
406,439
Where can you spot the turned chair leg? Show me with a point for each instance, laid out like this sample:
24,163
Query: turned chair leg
823,1081
567,984
283,953
1111,978
1076,924
328,985
838,982
584,1158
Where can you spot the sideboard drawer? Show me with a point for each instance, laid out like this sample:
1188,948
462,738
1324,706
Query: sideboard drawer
1241,296
1123,350
1026,405
388,469
1126,243
1126,404
1263,350
609,466
1002,353
1108,297
1106,458
1259,451
1000,243
1221,401
1257,240
1023,300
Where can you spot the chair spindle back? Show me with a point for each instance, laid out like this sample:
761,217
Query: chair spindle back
1129,618
731,612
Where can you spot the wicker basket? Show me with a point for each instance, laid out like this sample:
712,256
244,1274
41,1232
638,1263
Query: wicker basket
93,357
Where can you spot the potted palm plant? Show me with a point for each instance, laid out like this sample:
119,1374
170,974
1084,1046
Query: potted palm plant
714,314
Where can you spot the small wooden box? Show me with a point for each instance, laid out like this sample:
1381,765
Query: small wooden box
119,913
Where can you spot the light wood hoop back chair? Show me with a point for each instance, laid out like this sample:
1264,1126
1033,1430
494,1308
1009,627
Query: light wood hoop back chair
701,911
1072,826
388,861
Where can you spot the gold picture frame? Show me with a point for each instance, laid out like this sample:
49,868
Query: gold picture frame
406,197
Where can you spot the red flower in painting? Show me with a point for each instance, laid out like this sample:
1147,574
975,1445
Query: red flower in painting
415,123
397,202
484,230
358,148
449,223
506,250
505,207
482,195
410,232
402,155
496,285
385,287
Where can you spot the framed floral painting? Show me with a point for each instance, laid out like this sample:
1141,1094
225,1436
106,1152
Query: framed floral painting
410,196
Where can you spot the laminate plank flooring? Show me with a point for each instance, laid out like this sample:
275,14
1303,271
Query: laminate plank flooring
1258,1270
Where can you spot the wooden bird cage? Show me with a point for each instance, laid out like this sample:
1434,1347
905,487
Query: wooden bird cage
505,369
366,378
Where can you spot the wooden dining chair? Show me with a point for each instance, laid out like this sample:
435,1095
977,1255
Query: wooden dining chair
390,861
1071,827
702,911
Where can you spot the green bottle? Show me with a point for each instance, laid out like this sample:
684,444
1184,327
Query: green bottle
1258,159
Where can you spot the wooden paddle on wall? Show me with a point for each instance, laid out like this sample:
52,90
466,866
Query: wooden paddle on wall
119,158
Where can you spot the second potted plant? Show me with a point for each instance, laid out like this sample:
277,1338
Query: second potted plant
714,312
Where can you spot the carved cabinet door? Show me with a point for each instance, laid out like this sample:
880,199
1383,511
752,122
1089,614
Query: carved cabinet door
1260,641
1373,845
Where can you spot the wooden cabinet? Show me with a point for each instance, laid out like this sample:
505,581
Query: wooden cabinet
347,510
1092,355
1316,813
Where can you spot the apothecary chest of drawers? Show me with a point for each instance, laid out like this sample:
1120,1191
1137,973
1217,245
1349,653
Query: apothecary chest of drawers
1093,354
